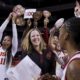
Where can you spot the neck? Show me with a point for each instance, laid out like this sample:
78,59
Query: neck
71,49
37,48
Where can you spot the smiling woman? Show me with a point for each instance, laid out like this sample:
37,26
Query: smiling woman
35,47
32,38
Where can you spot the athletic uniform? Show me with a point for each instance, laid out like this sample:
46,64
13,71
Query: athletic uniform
76,56
2,63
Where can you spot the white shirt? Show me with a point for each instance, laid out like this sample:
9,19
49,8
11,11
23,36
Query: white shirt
2,63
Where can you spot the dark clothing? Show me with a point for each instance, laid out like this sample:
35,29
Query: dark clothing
44,61
45,35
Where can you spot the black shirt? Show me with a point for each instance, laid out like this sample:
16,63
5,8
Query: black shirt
44,61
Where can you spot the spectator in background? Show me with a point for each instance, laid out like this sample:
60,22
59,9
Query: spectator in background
60,57
9,45
35,47
77,9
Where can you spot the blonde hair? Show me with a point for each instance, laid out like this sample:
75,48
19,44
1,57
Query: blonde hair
26,45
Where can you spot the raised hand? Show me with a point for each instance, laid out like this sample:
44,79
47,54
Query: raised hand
10,16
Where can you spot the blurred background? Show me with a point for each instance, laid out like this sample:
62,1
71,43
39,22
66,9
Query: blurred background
58,9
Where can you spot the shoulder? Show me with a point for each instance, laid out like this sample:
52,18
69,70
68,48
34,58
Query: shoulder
73,71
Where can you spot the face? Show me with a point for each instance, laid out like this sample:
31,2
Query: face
18,10
35,38
55,39
46,13
6,43
62,36
55,43
77,10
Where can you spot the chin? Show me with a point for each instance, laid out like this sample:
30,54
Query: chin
36,44
7,47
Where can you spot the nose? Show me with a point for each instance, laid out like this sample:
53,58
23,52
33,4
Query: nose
35,37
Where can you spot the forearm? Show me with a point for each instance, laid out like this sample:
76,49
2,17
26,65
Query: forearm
14,39
3,27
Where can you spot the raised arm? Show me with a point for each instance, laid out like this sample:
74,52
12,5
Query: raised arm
4,25
15,37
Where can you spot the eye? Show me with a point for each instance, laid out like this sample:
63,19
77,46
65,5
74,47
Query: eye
32,36
4,40
38,35
8,40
